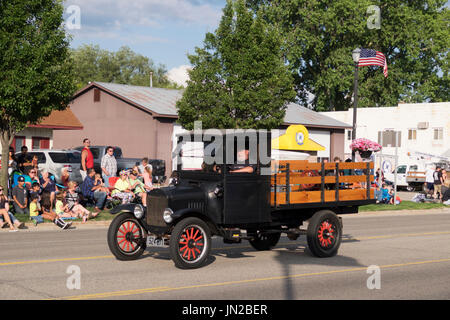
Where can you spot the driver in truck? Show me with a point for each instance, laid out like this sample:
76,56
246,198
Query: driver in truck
243,166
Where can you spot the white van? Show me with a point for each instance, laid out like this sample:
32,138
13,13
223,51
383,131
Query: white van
402,172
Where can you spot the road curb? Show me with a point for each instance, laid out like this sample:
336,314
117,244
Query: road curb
405,212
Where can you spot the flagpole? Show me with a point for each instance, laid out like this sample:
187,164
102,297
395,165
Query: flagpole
355,56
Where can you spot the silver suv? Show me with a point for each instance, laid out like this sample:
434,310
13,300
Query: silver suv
54,160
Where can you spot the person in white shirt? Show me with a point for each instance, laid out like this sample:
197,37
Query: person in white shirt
429,179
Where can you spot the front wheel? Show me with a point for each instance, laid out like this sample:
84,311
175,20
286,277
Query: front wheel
126,237
190,243
324,234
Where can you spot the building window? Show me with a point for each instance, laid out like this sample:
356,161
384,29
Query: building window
412,134
349,134
438,133
18,142
40,143
387,138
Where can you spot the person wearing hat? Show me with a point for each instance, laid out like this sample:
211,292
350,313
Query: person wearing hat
122,188
19,194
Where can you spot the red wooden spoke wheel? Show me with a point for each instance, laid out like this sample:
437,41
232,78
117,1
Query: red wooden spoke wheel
326,234
128,235
190,243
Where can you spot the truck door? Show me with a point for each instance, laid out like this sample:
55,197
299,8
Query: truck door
247,195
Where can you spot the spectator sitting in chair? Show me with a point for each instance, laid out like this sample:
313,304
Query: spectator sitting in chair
19,195
122,188
98,182
91,192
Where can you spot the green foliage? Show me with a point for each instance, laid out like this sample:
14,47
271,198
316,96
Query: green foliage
35,68
239,79
123,66
319,37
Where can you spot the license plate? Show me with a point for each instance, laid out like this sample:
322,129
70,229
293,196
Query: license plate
153,241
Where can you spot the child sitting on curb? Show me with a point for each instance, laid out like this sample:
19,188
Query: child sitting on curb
61,209
385,194
72,201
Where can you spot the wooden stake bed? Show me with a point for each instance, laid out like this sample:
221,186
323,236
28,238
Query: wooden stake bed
301,182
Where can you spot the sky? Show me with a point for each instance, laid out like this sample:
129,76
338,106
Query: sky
163,30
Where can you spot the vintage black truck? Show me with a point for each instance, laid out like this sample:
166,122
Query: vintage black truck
256,206
159,167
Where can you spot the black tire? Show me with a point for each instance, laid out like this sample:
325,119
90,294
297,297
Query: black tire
410,188
324,234
190,243
265,241
126,237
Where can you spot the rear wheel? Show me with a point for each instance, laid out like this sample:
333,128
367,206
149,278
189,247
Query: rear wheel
265,241
126,237
324,234
190,243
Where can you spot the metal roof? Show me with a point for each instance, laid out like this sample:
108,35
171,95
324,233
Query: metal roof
163,101
157,100
297,114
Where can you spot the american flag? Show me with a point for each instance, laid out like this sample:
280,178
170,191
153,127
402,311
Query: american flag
369,57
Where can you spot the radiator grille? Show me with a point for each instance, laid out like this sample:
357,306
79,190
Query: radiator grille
155,209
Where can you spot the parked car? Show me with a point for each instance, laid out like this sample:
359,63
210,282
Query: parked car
54,160
159,167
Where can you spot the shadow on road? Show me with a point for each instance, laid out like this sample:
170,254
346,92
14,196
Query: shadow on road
299,254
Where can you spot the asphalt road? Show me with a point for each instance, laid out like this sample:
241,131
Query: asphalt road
411,250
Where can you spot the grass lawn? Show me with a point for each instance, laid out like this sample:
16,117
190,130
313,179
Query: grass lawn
404,205
102,216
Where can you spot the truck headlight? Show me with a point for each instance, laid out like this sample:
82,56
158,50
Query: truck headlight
138,211
167,215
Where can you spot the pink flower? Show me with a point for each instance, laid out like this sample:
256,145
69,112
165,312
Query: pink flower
363,144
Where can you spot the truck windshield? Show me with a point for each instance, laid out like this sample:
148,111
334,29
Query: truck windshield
401,169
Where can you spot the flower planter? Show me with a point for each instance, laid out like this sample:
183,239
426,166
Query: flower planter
365,154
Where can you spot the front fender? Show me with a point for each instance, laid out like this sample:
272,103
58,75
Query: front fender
184,212
129,207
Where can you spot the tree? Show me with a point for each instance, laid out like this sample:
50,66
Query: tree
35,69
239,78
319,37
123,66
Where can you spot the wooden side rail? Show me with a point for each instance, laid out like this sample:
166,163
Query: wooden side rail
299,181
